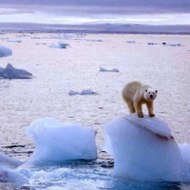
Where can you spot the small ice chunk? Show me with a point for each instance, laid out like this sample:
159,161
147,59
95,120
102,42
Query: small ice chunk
174,45
131,42
83,92
14,40
4,51
102,69
88,92
63,45
60,45
57,142
11,72
151,43
171,44
140,153
72,93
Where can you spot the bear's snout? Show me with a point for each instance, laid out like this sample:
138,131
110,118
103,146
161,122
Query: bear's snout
151,96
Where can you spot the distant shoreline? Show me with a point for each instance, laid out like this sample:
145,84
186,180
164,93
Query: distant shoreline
96,28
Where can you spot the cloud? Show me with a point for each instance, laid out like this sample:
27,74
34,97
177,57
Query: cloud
182,5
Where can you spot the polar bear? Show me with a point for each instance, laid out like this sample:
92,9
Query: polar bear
135,94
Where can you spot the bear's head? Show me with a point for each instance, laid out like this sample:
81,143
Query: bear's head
150,94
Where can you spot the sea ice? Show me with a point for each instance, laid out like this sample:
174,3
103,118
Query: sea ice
143,149
4,51
108,70
83,92
11,72
57,142
60,45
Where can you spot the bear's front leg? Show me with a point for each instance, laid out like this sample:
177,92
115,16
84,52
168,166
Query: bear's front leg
138,107
150,108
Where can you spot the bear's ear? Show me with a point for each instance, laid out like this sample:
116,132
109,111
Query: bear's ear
146,90
156,91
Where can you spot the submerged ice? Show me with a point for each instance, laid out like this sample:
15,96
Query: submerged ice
58,142
145,150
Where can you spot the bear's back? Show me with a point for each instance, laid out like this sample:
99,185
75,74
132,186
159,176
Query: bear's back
131,89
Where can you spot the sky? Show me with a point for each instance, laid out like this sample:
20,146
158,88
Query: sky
168,5
145,12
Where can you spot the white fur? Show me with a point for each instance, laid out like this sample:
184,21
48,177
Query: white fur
150,94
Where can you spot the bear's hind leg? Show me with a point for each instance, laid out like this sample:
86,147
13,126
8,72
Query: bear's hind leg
131,106
138,107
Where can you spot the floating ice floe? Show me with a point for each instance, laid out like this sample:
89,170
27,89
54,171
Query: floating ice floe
57,142
131,42
72,93
14,40
171,44
102,69
144,149
83,92
88,92
11,72
151,43
60,45
4,51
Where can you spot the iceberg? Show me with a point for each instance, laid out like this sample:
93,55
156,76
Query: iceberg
4,51
11,72
145,150
57,142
